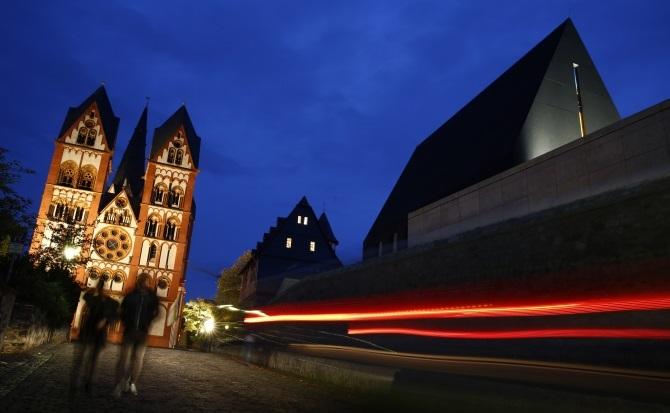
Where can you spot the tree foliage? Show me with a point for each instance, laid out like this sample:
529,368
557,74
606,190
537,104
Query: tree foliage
14,216
230,281
195,313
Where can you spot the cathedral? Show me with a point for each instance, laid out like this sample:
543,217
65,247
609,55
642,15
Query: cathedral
139,219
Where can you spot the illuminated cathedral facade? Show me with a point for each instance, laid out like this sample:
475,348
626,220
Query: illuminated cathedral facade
138,219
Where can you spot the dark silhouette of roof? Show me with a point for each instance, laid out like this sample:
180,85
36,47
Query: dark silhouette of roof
166,131
274,258
327,230
131,167
110,122
530,109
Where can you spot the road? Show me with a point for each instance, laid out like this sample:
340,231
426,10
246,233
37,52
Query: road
172,381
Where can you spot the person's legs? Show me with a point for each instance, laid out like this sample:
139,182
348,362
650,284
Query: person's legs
122,367
139,350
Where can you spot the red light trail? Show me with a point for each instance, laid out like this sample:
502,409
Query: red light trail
636,333
582,306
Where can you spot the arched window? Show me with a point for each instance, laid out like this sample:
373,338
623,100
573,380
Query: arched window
153,250
180,157
67,173
87,133
79,213
158,196
175,198
151,227
93,274
86,178
59,209
171,230
163,283
171,155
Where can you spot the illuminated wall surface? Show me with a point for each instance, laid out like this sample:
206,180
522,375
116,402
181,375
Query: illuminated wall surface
529,110
623,154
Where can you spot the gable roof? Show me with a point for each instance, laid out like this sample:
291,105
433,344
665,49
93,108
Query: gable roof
110,122
530,109
166,131
327,229
131,167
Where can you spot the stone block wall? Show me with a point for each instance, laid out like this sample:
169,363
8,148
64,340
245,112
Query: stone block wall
28,329
630,151
615,241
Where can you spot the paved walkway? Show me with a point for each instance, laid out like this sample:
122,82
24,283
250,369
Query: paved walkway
172,381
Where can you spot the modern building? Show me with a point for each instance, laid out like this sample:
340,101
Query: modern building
299,244
142,221
549,97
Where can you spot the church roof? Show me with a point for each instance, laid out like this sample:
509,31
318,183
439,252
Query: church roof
110,122
530,109
131,167
165,132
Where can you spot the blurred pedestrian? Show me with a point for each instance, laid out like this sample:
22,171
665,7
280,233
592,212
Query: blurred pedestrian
138,310
98,313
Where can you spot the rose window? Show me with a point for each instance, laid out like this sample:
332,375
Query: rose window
112,243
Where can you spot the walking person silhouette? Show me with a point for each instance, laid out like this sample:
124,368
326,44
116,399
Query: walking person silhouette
138,309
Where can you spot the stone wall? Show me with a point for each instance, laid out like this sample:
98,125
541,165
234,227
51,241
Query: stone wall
623,154
7,298
28,329
616,241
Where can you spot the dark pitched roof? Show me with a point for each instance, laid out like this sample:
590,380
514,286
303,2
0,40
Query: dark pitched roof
110,122
530,109
326,229
131,167
166,131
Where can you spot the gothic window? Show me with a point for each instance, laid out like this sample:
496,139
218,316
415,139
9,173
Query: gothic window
180,156
171,230
87,133
175,198
171,155
159,194
106,276
81,135
90,140
153,249
151,227
86,178
163,283
66,174
119,277
58,210
93,274
79,214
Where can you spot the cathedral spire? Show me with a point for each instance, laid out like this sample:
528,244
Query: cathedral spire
131,168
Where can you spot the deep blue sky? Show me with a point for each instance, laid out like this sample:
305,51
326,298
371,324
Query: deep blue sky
319,98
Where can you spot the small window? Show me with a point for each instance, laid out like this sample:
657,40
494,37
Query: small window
171,155
312,246
304,221
152,251
180,157
299,219
289,242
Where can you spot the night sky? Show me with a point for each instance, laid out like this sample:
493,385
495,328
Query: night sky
319,98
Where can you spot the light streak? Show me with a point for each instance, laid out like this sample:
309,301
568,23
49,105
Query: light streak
634,333
584,306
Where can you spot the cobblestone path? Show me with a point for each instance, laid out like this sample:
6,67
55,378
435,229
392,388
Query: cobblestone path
172,381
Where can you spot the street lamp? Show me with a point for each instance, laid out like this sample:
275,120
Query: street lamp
71,252
208,328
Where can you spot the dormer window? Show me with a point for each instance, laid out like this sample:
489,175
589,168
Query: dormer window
289,242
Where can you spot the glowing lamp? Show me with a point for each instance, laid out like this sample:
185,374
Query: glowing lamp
71,252
208,326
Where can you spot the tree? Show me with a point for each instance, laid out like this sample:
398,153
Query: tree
230,281
14,216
